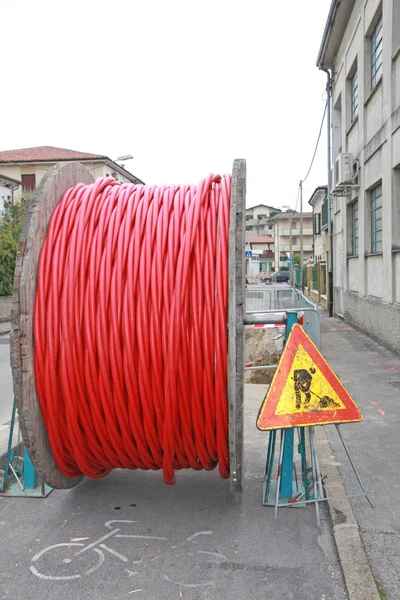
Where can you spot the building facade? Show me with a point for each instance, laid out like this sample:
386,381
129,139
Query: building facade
8,187
262,248
257,219
318,203
29,165
361,49
282,224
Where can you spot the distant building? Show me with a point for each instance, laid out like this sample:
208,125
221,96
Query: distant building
257,219
262,247
8,186
361,49
281,224
319,204
29,165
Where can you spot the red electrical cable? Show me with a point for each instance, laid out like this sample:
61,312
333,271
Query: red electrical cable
130,328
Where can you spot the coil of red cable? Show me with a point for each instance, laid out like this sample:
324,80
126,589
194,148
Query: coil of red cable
130,336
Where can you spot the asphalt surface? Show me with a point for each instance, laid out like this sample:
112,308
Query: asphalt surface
195,539
372,376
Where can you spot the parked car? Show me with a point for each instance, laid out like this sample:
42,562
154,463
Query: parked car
280,277
266,278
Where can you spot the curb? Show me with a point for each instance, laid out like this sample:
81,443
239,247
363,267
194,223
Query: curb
357,573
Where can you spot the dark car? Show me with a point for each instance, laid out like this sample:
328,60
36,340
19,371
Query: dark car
280,277
266,278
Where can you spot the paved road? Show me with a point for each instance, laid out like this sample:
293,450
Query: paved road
6,391
195,540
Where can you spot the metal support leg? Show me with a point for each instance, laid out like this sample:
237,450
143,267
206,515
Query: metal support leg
314,474
304,470
278,483
270,463
353,466
287,464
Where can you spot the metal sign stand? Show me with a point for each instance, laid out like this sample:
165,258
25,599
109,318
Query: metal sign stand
285,489
20,477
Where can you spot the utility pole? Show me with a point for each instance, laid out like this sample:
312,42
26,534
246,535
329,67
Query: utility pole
291,250
290,244
301,237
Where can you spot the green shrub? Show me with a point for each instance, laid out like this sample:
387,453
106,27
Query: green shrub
11,222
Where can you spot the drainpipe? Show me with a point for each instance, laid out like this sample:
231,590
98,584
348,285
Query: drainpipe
330,244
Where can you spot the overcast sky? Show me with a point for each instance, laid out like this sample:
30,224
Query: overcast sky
183,86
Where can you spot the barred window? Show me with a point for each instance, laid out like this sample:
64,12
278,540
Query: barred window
376,54
354,228
354,96
376,219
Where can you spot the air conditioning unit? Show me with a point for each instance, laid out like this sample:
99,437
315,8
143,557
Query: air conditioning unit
343,170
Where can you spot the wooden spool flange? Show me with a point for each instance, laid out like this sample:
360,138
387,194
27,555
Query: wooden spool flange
48,195
34,434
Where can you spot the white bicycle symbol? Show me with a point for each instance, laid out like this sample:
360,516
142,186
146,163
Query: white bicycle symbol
70,557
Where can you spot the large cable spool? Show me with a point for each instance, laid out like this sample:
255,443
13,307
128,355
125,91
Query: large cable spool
35,435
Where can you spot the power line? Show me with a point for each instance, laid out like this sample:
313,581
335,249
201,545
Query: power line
316,146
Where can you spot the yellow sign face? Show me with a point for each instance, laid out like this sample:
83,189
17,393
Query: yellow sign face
312,391
305,391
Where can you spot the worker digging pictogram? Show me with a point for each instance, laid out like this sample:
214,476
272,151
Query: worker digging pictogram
302,388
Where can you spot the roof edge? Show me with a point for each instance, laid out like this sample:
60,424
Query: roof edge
10,179
338,16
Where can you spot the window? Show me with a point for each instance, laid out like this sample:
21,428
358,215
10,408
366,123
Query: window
354,228
376,219
28,182
354,96
376,54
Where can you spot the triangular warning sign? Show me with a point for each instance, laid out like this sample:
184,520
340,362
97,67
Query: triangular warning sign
305,391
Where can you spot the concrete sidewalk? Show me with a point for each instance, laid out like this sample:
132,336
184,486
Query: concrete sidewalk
371,374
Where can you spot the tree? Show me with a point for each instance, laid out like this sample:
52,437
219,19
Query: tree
296,259
11,222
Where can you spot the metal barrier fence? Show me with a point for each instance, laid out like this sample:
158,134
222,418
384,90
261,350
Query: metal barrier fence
291,298
315,281
259,298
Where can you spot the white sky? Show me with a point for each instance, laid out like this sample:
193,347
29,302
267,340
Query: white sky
183,86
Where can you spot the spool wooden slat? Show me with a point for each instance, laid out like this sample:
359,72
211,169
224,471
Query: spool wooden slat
48,195
235,323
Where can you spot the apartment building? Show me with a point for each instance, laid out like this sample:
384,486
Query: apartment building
319,204
361,49
29,165
282,223
257,219
262,253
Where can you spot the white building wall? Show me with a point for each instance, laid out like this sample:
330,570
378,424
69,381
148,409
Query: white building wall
5,193
367,287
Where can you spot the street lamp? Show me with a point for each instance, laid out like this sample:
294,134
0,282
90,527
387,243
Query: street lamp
291,247
124,157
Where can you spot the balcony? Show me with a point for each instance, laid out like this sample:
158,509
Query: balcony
307,247
295,232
